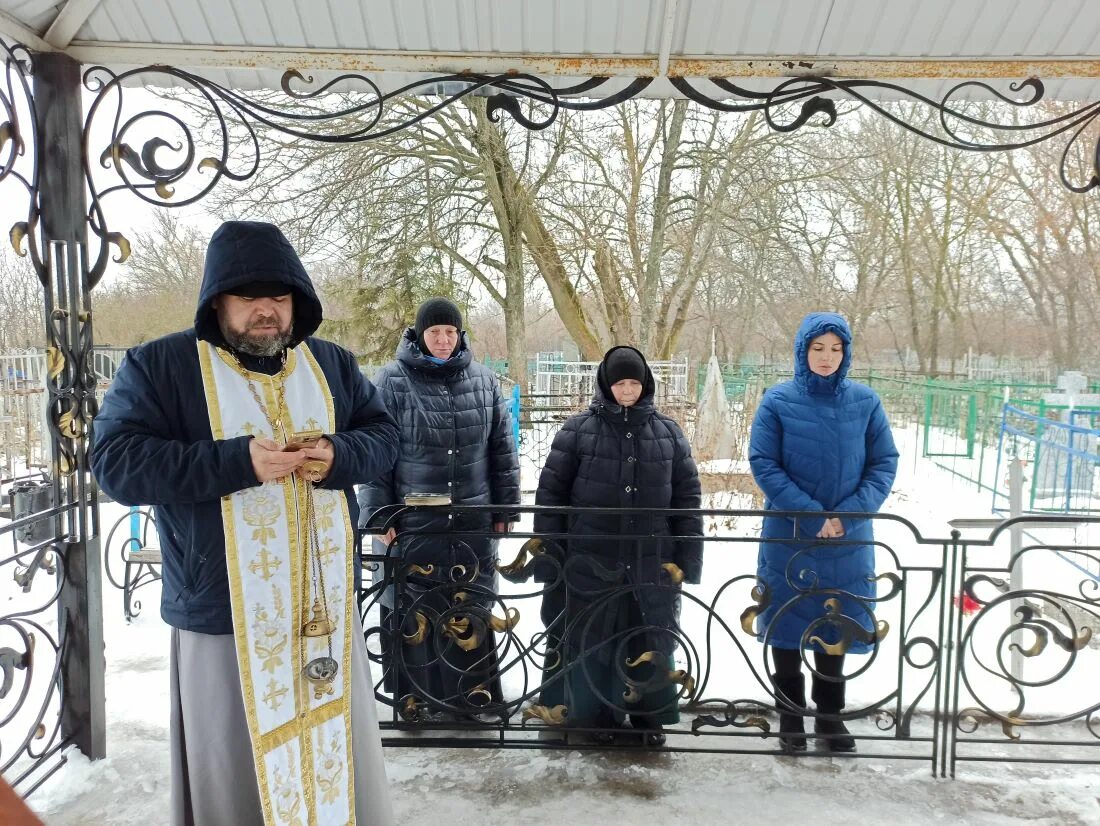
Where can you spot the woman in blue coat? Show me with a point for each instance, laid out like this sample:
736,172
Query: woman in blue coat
613,601
819,443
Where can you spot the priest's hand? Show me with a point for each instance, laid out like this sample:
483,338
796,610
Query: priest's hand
320,458
270,461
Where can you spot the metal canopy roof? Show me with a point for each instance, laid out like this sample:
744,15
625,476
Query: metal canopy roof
927,46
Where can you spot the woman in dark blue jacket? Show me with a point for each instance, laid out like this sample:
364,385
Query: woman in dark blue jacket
819,442
612,601
456,440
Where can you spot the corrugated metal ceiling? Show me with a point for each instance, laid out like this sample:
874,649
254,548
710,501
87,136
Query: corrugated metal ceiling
468,30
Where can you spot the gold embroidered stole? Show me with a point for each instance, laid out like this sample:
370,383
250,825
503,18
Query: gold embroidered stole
301,742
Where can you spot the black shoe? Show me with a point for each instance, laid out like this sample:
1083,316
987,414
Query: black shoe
792,733
828,694
646,732
648,736
601,738
837,738
654,736
790,699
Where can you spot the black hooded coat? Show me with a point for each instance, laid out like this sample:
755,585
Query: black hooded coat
153,444
624,457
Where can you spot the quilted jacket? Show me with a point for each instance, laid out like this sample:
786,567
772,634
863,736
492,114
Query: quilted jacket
456,439
624,457
820,444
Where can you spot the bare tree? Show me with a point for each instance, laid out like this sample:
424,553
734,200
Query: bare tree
1048,239
158,290
22,313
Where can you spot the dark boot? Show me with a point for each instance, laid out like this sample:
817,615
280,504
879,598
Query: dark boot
790,699
607,722
829,698
648,732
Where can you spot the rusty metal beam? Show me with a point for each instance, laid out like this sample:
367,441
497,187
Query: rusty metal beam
549,65
888,68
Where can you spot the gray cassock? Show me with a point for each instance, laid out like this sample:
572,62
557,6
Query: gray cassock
213,774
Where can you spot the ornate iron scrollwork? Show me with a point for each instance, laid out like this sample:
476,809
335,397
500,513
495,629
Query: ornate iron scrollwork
19,150
157,168
31,647
155,154
958,128
1039,648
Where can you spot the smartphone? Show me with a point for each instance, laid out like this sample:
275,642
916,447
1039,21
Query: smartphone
302,439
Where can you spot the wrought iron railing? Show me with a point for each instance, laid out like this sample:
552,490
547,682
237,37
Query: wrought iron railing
967,660
32,747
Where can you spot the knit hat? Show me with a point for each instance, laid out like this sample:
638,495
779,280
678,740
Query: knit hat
624,363
437,311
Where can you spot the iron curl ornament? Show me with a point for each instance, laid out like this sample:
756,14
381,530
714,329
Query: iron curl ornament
35,628
794,103
1049,630
19,150
155,153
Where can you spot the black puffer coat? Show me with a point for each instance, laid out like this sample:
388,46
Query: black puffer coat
456,438
623,457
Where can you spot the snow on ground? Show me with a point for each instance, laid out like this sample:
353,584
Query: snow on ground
512,788
517,787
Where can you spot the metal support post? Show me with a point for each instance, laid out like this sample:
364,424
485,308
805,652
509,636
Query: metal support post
62,201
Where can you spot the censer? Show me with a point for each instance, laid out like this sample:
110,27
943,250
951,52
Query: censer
320,671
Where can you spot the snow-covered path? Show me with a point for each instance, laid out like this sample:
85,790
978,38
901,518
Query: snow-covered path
516,788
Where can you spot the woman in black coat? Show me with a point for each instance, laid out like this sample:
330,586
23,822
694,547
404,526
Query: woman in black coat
614,600
456,440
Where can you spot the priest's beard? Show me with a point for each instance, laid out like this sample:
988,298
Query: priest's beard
263,346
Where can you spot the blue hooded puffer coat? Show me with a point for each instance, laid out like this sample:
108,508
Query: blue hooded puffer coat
153,444
819,444
456,438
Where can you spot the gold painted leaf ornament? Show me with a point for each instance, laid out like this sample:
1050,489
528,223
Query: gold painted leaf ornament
510,621
18,232
7,133
123,244
517,568
421,633
55,362
457,628
761,596
551,715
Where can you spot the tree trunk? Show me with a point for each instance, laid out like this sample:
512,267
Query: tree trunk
508,199
518,219
652,276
